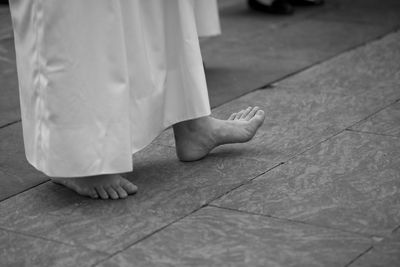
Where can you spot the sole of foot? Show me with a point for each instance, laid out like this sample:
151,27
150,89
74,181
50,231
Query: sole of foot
110,186
194,139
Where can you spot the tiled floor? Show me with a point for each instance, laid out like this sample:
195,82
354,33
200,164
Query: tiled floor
319,185
218,237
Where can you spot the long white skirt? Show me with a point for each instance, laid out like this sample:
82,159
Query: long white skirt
100,79
207,18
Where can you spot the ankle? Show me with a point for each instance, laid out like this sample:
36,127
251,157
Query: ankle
193,129
193,125
200,131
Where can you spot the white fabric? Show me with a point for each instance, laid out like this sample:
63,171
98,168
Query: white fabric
100,79
207,18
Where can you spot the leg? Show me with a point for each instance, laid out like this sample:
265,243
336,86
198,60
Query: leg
196,138
112,186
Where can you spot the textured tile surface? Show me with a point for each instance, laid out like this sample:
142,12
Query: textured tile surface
386,253
355,72
350,182
9,98
385,122
248,55
16,173
21,250
217,237
168,190
12,184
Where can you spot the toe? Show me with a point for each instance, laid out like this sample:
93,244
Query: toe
246,112
260,114
259,117
93,193
128,187
101,192
120,191
83,191
239,115
232,116
252,113
111,192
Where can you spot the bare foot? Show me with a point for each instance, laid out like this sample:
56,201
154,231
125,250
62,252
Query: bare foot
194,139
107,186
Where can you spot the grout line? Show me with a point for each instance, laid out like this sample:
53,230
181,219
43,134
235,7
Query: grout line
147,236
9,124
244,183
313,146
26,189
373,114
372,133
359,256
181,218
396,229
297,221
50,240
334,135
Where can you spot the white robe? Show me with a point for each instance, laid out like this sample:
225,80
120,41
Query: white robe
207,18
100,79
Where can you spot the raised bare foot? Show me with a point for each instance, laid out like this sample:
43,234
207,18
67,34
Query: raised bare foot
112,186
194,139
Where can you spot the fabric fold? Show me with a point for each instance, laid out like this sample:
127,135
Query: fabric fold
100,79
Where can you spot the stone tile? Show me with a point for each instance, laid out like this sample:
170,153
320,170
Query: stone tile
9,97
227,81
249,55
385,122
11,184
168,190
17,174
385,253
350,182
368,68
21,250
382,13
217,237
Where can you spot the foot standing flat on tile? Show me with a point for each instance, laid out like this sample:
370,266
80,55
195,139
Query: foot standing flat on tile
111,186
